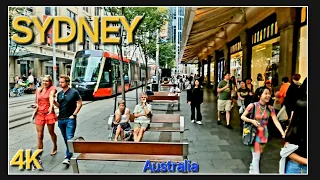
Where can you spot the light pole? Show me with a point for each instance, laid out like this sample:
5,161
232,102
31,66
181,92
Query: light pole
54,63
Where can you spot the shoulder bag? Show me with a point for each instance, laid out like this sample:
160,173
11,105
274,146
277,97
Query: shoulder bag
249,130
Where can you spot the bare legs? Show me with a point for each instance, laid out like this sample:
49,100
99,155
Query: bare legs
120,132
40,130
138,134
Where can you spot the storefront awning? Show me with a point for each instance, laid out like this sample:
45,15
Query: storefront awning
42,57
208,28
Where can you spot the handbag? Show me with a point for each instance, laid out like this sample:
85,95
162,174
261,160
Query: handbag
33,116
249,130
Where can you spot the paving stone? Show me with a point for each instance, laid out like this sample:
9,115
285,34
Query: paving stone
228,164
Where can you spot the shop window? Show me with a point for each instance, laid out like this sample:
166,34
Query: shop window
264,33
265,62
303,53
272,26
276,28
268,31
236,65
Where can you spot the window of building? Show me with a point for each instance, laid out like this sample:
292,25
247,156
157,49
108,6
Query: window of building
181,11
86,9
87,42
47,10
265,62
97,11
70,46
236,65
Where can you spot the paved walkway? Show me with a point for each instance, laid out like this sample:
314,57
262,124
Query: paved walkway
214,147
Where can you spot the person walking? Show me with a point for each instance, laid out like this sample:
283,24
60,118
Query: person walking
195,99
224,101
297,134
69,103
262,112
45,114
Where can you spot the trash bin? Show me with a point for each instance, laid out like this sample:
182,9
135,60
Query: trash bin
155,87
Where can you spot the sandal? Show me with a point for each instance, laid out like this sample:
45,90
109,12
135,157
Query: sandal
54,152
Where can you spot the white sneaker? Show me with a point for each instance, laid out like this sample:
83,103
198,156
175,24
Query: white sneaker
192,120
251,169
66,161
199,122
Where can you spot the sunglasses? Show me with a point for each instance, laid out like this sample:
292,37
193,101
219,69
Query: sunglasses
62,96
143,97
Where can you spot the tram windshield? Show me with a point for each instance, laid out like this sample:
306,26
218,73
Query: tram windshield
86,69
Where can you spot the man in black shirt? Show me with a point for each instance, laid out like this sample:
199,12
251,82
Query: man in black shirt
69,103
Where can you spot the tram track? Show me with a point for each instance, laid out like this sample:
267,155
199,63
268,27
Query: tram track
24,118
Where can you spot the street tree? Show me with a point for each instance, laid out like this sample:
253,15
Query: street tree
166,54
145,36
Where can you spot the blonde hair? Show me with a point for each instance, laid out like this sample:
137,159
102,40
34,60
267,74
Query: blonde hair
50,80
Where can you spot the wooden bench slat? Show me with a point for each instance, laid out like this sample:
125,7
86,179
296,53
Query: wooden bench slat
165,118
169,98
129,157
127,147
165,129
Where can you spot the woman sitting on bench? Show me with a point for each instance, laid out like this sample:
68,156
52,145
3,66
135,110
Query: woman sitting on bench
121,122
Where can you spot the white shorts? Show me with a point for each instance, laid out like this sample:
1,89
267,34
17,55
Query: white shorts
224,105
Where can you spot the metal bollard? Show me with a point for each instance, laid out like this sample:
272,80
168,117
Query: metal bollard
136,92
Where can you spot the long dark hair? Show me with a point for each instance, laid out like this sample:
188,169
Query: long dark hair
244,84
233,80
298,124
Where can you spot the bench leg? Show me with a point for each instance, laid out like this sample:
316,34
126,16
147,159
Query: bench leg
181,137
74,164
178,106
110,135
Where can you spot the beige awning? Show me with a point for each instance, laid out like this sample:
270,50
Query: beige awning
208,28
42,57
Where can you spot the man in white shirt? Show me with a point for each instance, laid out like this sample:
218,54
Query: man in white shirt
174,92
31,81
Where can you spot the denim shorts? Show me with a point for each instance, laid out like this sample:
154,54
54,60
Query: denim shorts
295,168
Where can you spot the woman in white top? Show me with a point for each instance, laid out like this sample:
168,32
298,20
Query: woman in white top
121,122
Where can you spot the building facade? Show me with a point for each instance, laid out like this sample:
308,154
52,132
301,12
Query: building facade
175,26
37,58
273,48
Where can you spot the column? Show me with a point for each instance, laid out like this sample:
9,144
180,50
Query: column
43,69
215,58
61,68
208,70
226,54
245,39
37,68
202,67
286,18
12,69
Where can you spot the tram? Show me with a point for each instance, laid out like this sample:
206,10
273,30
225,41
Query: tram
96,74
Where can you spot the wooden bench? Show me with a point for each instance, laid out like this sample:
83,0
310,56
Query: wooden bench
164,97
157,118
125,151
165,86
